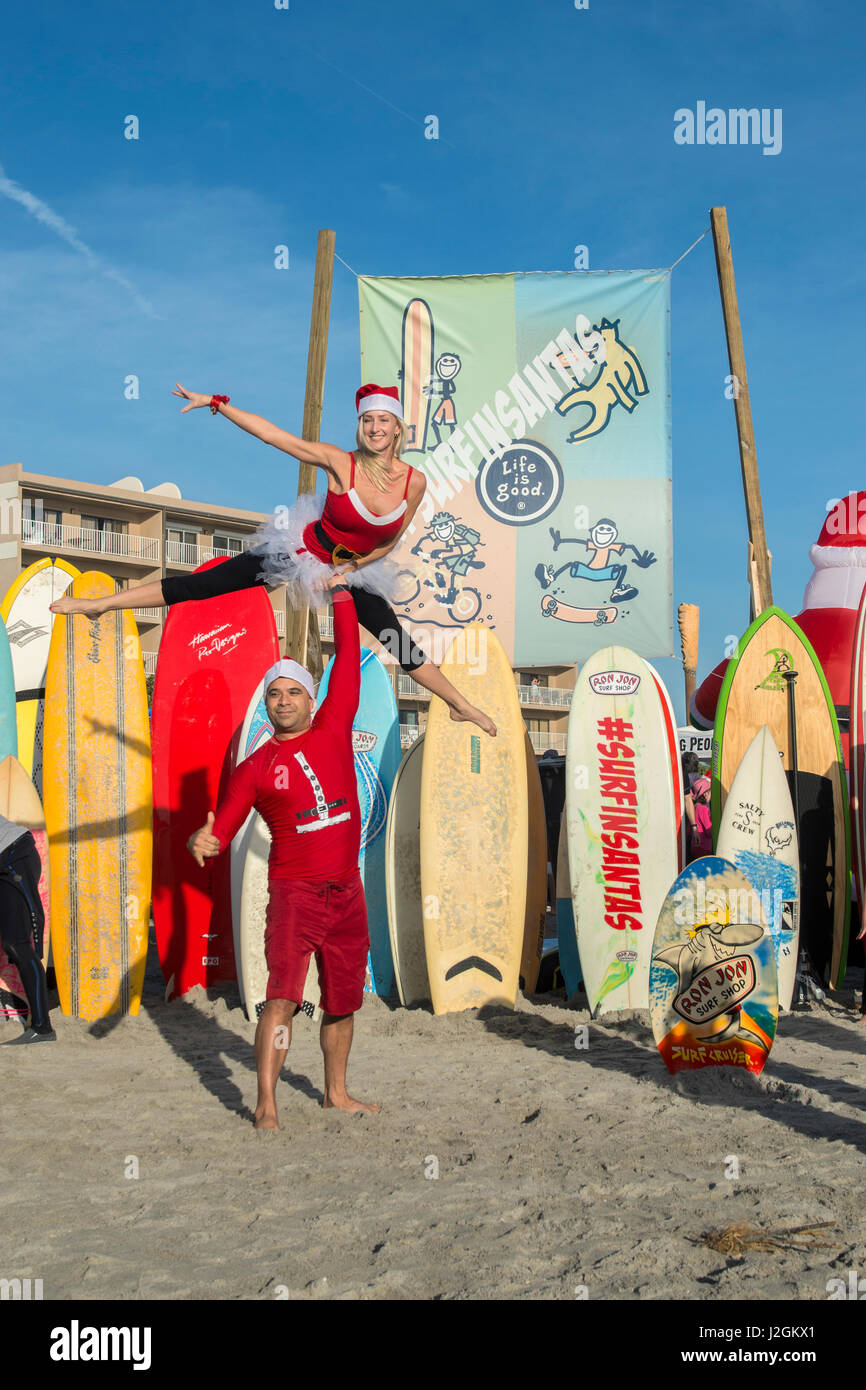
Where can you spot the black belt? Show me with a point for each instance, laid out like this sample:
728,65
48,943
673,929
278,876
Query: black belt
338,552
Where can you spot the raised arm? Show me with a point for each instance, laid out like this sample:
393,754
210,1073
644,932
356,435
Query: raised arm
325,456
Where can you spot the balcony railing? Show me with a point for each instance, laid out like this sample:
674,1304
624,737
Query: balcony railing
148,615
408,734
326,625
407,686
149,663
544,695
115,543
180,553
280,618
541,742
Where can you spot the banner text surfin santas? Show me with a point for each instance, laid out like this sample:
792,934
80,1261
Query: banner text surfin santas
538,406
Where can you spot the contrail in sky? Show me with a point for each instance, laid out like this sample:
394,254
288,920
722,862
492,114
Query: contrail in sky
44,214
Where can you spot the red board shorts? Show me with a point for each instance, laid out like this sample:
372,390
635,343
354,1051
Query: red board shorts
327,918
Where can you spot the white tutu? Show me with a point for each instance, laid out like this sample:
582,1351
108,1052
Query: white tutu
280,543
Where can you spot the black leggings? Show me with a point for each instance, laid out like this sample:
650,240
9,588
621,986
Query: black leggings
244,571
20,918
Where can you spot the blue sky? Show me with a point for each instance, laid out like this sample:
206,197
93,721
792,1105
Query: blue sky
258,126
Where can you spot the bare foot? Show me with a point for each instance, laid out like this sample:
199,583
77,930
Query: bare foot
91,606
475,716
348,1103
861,1020
266,1119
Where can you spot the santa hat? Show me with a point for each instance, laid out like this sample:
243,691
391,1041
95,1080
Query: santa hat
293,671
378,398
839,556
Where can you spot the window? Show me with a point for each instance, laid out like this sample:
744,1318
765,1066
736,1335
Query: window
410,717
181,537
233,545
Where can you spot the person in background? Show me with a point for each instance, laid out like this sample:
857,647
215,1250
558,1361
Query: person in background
22,922
702,840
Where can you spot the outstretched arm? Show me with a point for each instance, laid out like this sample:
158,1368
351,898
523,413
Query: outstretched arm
325,456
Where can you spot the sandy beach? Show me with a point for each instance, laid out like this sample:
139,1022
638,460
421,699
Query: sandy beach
563,1172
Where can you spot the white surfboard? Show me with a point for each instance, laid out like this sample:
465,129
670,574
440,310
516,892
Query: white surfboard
758,835
403,879
249,867
676,765
622,826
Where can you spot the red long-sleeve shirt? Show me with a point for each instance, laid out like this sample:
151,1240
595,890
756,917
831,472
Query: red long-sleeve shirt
304,788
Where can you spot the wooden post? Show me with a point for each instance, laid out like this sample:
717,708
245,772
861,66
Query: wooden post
742,407
688,619
303,641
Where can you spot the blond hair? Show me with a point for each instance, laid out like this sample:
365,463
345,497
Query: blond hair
372,463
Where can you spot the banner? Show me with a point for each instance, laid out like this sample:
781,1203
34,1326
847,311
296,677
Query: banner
538,406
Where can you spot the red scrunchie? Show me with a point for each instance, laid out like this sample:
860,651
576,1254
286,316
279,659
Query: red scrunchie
216,402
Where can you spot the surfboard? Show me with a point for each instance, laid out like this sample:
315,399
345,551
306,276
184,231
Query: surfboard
754,693
98,807
569,960
8,724
210,649
713,992
416,373
403,879
376,741
621,818
676,765
536,876
758,835
474,833
250,850
19,802
29,623
857,756
566,612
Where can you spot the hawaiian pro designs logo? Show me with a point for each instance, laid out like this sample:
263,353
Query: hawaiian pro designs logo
217,641
614,683
782,661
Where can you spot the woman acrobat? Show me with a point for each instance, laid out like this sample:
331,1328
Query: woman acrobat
306,544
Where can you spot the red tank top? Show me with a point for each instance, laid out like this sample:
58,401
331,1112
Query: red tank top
348,523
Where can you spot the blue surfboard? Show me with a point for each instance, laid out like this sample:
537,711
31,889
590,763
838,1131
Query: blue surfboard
376,738
8,716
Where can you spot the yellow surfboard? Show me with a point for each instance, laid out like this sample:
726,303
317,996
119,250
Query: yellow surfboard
474,833
24,610
536,877
98,807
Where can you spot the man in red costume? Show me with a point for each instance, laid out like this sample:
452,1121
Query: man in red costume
302,782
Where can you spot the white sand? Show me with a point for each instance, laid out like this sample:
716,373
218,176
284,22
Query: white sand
558,1168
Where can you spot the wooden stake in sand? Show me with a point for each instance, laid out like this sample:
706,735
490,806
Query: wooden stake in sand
742,407
303,642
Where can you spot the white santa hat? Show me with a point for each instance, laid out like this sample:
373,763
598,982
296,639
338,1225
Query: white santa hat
839,556
293,671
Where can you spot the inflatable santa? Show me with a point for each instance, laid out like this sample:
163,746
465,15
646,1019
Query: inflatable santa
829,615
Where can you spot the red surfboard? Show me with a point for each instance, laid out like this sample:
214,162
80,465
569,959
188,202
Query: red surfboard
212,654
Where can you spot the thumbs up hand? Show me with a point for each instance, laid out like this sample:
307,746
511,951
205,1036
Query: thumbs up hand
204,845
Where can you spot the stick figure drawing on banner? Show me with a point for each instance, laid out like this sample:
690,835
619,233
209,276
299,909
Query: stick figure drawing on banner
602,544
445,415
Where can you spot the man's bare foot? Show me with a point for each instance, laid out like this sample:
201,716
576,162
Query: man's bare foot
266,1119
861,1020
91,606
475,716
348,1103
